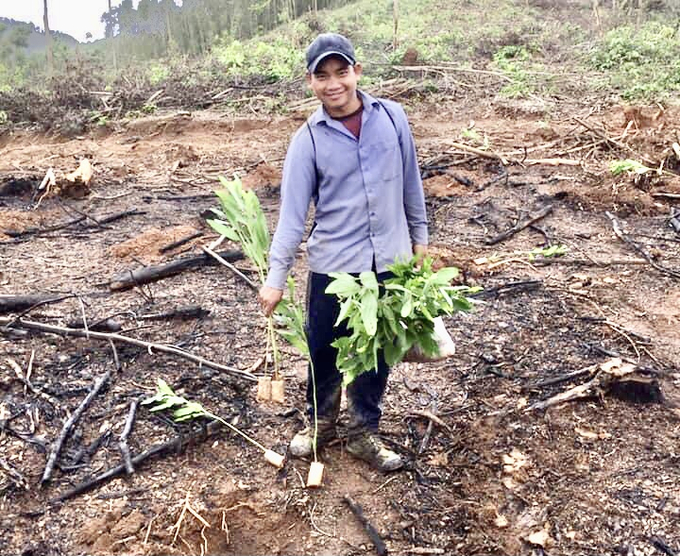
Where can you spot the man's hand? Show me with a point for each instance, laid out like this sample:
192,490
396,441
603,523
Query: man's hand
269,299
419,250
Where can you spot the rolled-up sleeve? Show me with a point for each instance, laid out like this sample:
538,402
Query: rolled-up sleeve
414,197
297,186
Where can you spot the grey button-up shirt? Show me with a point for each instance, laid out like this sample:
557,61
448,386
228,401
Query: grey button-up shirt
369,197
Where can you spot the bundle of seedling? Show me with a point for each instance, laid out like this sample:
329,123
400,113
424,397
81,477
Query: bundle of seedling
240,219
400,318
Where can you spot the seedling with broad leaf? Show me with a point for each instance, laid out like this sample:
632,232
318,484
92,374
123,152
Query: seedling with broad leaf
628,166
395,316
186,410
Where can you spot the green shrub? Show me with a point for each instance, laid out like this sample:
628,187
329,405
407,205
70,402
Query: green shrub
640,64
515,62
274,60
158,73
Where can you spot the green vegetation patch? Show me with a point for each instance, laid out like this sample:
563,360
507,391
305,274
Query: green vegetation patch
640,64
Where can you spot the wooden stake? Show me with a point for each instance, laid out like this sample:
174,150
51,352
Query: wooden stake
275,459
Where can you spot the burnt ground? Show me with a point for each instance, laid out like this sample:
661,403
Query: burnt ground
597,475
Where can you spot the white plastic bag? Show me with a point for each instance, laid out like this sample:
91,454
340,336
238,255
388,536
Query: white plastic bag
447,347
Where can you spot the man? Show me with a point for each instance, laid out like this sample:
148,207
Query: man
356,159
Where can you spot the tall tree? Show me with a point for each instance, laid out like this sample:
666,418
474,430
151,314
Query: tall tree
113,39
48,37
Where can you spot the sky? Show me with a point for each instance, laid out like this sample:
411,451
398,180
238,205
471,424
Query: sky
75,17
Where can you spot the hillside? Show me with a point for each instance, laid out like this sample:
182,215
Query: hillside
27,39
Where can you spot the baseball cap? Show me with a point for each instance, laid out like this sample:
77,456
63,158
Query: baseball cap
329,44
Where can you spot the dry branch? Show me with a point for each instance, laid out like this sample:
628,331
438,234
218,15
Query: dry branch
252,285
615,376
122,443
622,146
623,237
523,285
373,534
479,152
68,425
180,242
98,222
532,219
149,346
132,278
175,445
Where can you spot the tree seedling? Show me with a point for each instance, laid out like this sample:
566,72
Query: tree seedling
240,219
394,317
185,410
291,320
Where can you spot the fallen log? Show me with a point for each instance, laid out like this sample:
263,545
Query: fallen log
113,337
12,303
132,278
187,312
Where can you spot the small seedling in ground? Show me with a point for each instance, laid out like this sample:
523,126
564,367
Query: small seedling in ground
185,410
552,251
628,166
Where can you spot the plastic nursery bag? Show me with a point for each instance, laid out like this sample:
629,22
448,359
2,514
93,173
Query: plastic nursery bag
447,347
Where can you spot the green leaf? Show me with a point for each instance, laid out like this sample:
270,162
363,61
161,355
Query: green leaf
369,280
190,410
345,308
445,275
407,307
343,284
224,230
369,311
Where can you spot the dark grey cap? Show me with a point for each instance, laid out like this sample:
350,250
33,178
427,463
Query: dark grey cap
329,44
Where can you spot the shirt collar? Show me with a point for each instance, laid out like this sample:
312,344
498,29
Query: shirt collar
321,116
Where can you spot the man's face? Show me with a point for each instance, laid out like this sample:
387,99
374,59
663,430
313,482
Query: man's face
335,84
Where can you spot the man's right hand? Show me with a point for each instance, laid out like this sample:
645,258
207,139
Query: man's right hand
269,299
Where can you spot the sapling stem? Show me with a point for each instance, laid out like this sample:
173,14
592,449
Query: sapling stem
275,351
184,409
316,414
237,431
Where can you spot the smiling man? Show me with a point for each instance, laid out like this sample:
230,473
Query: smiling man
356,160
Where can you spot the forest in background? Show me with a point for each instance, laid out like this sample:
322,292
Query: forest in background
206,52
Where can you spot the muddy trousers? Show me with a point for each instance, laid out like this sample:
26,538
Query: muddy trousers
365,393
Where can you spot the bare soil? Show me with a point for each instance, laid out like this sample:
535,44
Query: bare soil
594,476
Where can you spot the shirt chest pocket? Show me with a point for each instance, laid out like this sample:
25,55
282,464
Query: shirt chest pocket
385,157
